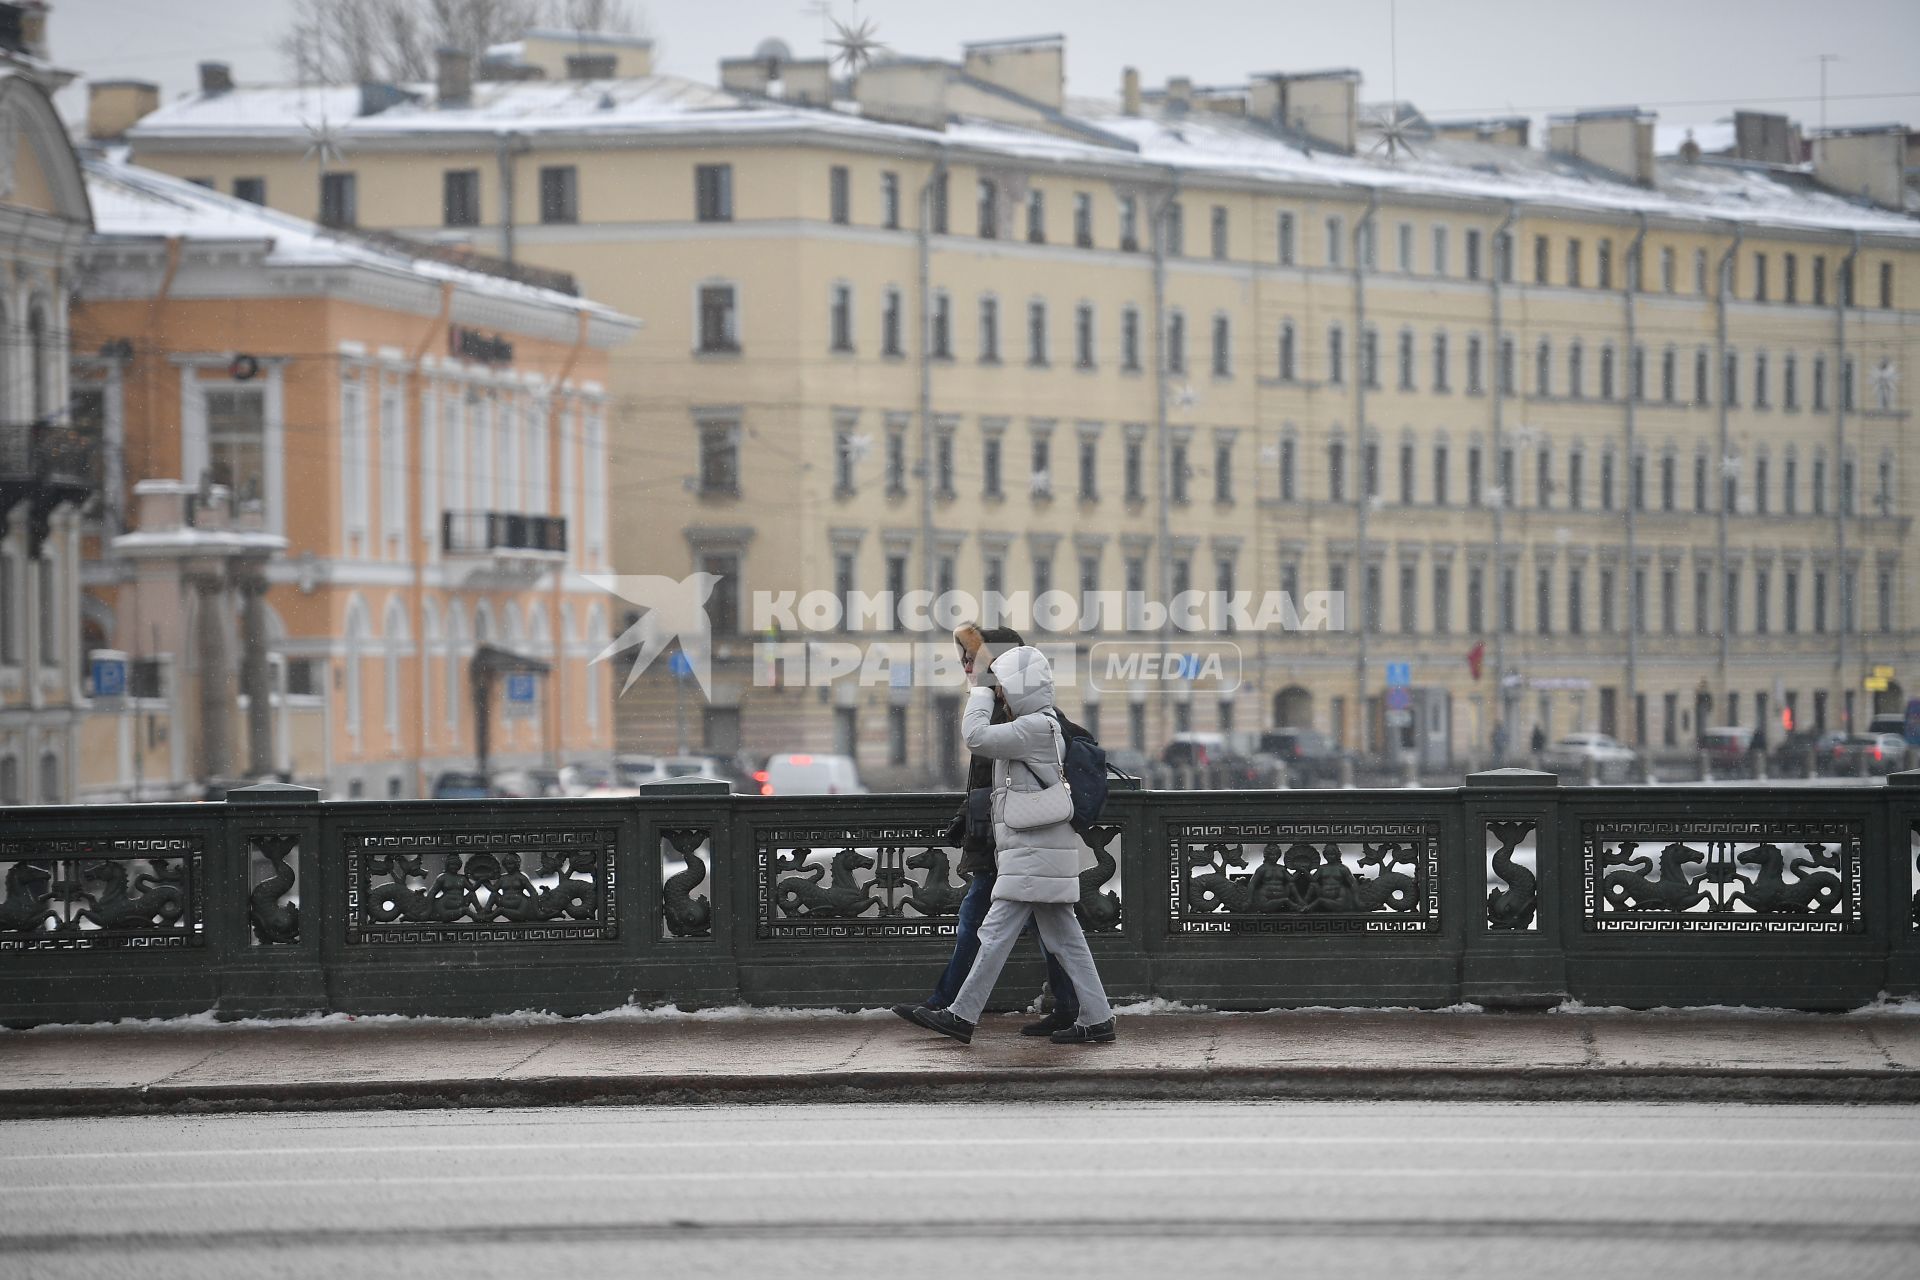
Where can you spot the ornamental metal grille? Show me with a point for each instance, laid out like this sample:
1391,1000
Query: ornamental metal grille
1513,874
855,881
686,903
1301,879
94,893
273,888
1763,876
537,885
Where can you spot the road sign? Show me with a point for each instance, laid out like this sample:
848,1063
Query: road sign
680,664
109,674
1399,698
1874,684
1399,719
1399,674
1883,673
519,686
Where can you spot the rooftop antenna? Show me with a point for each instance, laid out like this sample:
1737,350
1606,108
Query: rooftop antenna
1394,133
854,43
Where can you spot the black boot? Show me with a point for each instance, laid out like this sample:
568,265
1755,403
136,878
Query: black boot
905,1011
1098,1033
1058,1020
944,1021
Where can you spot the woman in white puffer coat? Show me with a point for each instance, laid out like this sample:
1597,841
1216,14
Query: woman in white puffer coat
1038,867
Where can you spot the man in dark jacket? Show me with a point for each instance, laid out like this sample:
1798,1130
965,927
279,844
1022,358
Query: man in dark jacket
977,863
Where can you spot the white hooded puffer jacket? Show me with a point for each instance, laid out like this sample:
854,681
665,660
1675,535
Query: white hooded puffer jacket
1039,864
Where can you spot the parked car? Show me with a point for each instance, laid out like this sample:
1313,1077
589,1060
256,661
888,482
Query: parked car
1894,722
1309,755
1799,749
1194,750
457,785
586,779
632,770
1571,754
528,783
1880,752
1729,750
804,774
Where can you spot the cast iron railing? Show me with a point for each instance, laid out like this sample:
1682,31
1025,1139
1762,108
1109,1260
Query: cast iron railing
1509,890
484,532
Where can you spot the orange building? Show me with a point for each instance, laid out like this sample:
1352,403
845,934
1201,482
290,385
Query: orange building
427,437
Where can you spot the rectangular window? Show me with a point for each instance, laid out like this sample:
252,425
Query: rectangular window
1405,248
719,459
1177,473
1760,380
1606,601
1405,359
937,204
1702,602
1440,363
1130,340
1082,220
1576,486
943,462
1509,603
1289,367
1083,336
1174,229
896,460
1473,253
1440,475
1336,356
1790,485
987,210
1700,271
839,194
1442,599
890,200
1036,216
890,324
990,330
1886,291
713,193
719,327
1667,284
1409,598
1336,241
1759,277
1129,224
339,200
840,318
1041,470
1819,486
1576,619
1284,233
1606,480
1760,486
1336,472
1370,593
1819,280
1176,342
1473,476
1217,233
1406,475
252,190
1287,470
1089,469
460,198
1819,600
559,194
990,451
1542,250
1762,588
1134,470
896,735
1223,472
1503,256
1476,599
1222,348
1669,601
1476,383
1790,601
237,444
1789,277
1440,251
1037,334
843,459
1603,264
940,341
1506,372
1543,479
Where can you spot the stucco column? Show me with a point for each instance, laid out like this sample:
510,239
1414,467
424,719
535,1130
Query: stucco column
216,675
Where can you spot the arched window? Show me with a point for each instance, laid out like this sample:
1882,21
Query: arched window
397,634
358,634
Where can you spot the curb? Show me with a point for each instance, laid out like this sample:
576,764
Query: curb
1333,1084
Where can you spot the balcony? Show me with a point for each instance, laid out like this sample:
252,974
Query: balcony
44,465
487,533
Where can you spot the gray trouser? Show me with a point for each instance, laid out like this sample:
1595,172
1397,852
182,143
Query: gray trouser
1059,934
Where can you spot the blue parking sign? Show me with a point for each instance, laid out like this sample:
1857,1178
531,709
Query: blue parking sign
680,664
519,687
1399,674
109,677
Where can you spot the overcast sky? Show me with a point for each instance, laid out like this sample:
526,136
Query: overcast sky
1691,60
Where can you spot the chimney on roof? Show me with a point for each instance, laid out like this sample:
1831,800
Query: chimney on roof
1130,91
1765,138
1034,67
454,87
114,106
1321,106
215,77
1689,150
1619,141
32,21
1868,163
1179,93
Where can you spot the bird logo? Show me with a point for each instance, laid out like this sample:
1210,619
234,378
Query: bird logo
670,611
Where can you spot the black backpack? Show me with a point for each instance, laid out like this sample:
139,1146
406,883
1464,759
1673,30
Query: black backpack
1086,768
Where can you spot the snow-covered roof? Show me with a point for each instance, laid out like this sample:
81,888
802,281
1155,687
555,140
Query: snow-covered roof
138,203
1199,142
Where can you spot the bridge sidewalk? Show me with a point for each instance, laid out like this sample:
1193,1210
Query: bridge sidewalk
804,1056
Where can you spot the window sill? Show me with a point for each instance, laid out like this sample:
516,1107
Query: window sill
718,494
721,353
1039,364
841,351
990,361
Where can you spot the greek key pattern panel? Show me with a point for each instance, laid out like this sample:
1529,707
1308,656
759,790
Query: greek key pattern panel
1513,874
95,893
1679,876
1305,877
686,899
839,882
537,885
273,888
1913,859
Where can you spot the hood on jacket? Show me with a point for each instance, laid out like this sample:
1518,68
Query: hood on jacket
1027,677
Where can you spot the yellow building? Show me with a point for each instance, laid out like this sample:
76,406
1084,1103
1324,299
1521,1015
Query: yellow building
400,464
1636,423
47,469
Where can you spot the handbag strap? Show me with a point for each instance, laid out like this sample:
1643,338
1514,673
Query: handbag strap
1059,765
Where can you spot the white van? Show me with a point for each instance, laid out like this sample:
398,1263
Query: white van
810,775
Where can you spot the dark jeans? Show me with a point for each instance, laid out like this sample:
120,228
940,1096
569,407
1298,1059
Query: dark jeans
966,945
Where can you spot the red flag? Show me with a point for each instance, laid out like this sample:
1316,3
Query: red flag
1476,656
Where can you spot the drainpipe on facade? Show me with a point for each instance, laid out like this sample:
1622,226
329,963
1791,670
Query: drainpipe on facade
415,446
505,146
923,250
1636,386
1842,288
1363,497
556,673
1163,529
1727,391
1501,263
